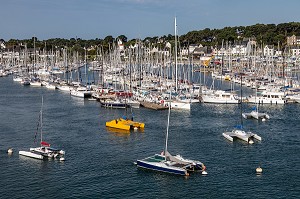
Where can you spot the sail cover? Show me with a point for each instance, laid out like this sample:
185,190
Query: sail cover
175,159
45,143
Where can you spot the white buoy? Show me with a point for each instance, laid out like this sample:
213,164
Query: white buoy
259,170
10,151
263,120
204,173
251,142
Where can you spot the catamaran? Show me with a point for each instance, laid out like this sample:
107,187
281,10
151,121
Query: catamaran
165,162
44,151
238,132
255,114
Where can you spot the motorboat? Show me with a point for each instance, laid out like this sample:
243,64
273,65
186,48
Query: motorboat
110,103
220,97
81,92
180,105
125,124
268,97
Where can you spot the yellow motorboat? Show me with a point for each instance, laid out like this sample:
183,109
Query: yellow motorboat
227,77
125,124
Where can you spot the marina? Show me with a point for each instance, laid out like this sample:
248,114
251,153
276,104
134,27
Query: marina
123,99
98,157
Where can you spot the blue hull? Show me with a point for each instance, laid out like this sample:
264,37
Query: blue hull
162,169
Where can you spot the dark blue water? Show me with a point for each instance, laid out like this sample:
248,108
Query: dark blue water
99,163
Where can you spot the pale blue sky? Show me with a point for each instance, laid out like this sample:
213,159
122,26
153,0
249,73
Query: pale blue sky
90,19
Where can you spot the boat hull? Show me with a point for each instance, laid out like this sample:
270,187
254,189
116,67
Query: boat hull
31,155
124,124
161,167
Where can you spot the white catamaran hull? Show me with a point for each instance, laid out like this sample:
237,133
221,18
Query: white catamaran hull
31,155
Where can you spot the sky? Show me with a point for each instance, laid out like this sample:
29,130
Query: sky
91,19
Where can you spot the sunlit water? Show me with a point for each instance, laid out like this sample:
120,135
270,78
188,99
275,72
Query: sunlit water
99,163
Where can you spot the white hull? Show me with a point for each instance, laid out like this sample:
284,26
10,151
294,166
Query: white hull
255,115
37,84
81,94
215,100
17,79
49,86
180,105
220,97
242,135
77,94
64,88
266,101
31,155
268,97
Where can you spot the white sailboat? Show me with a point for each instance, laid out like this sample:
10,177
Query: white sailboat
177,104
44,151
239,133
254,113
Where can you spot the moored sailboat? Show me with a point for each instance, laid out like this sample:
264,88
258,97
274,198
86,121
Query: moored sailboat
44,151
165,162
238,132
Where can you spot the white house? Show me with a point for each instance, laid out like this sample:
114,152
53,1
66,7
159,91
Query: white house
268,50
295,50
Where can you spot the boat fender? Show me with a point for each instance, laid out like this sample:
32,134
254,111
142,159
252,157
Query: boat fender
203,167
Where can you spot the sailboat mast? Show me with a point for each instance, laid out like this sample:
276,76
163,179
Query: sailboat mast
176,80
241,99
167,134
41,119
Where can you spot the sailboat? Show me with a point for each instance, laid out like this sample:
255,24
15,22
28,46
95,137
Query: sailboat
254,113
178,104
165,162
44,151
238,132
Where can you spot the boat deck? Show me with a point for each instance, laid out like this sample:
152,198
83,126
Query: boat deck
155,158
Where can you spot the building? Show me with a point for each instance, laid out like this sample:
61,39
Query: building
268,50
293,40
295,50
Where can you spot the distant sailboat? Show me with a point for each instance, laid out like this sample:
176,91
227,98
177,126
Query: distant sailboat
254,113
238,132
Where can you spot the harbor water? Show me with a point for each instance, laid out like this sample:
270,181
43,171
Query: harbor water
100,162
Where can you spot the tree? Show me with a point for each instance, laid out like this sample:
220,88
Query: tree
123,38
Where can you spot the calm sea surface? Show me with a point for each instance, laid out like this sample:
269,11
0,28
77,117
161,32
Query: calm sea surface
99,163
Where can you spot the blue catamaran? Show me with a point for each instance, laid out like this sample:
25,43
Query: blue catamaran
165,162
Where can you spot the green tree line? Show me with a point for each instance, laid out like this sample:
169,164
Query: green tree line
267,34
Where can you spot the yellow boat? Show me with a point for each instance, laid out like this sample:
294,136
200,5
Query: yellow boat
124,124
227,77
